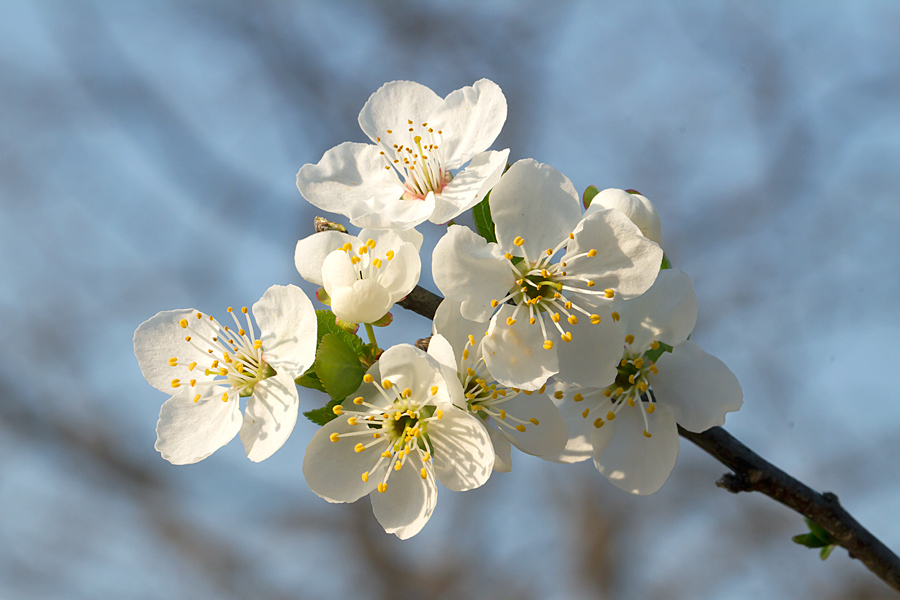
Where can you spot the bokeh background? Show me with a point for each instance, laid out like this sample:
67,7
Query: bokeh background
147,162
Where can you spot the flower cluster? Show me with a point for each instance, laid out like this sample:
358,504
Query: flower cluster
564,331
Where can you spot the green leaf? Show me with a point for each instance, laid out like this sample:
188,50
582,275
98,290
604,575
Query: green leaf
818,531
589,193
326,324
666,263
808,540
653,355
320,416
310,380
338,367
483,221
826,551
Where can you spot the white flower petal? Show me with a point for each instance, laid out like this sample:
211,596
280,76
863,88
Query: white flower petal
390,212
463,453
392,237
338,271
502,458
548,438
311,252
333,470
270,416
365,301
469,186
666,312
393,104
287,324
160,338
350,180
637,208
408,367
468,269
441,350
581,430
698,386
632,462
515,354
407,503
626,261
456,328
401,274
471,119
592,358
536,202
188,431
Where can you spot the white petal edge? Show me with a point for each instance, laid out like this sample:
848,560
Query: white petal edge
310,253
699,387
160,338
536,202
406,505
471,119
515,355
471,271
463,453
270,416
469,186
188,431
637,208
287,324
632,462
667,312
333,470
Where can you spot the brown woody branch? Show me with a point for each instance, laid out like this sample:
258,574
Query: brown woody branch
752,473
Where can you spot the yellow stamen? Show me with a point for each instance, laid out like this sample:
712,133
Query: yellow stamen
629,339
615,316
382,488
610,416
567,337
176,383
585,413
173,362
592,253
358,448
518,241
520,428
368,378
647,434
650,408
595,319
183,323
365,477
423,473
534,421
573,320
599,422
577,398
548,345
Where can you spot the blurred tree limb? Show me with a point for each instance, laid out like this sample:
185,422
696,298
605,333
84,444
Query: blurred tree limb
752,473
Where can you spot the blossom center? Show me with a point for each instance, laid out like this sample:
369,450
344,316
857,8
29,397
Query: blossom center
555,290
397,427
631,388
415,154
484,397
235,356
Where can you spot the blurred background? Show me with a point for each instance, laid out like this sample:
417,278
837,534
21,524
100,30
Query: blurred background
147,161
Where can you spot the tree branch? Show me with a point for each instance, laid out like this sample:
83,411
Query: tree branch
752,473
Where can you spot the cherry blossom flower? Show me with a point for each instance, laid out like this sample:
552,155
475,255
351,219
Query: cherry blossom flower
531,300
405,177
394,437
208,366
630,427
363,276
636,207
529,420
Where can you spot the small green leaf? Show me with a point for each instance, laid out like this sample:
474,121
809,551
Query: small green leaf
483,221
808,540
338,367
327,324
818,531
826,551
666,263
322,415
588,196
310,380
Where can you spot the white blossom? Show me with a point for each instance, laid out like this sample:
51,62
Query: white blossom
363,275
395,436
635,206
208,366
532,299
406,177
630,427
